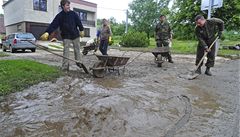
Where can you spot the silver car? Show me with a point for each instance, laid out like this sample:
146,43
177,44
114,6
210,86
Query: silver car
19,41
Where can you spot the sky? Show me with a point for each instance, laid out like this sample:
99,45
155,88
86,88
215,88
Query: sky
112,8
106,8
1,10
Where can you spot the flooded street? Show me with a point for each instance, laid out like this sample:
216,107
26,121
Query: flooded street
144,101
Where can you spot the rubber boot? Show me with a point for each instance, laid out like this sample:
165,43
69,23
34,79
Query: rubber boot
79,64
170,59
198,71
208,72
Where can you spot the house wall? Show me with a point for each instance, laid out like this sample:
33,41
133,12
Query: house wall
18,18
13,13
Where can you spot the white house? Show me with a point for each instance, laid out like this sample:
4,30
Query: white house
35,15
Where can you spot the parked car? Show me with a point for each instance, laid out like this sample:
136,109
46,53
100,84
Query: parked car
19,41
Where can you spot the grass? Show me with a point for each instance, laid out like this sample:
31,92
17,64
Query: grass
3,54
184,47
16,75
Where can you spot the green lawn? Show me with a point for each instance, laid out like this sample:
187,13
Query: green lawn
184,47
16,75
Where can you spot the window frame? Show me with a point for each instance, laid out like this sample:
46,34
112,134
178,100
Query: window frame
37,7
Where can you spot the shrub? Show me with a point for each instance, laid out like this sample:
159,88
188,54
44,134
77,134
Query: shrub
135,39
231,35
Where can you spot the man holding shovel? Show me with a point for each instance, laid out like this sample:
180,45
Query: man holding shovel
70,25
207,31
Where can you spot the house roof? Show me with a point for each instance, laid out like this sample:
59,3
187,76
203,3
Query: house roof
86,3
73,1
2,27
6,2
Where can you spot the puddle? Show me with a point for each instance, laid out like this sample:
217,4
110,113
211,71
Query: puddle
204,99
109,82
144,102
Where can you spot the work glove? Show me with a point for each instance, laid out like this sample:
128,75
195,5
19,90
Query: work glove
110,42
81,34
110,39
206,49
44,36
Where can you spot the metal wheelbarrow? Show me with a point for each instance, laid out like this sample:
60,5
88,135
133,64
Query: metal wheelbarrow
161,55
110,63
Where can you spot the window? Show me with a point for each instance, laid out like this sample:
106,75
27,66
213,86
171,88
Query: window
82,14
86,32
25,36
40,5
11,36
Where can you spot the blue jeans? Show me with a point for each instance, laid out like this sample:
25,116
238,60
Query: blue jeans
103,46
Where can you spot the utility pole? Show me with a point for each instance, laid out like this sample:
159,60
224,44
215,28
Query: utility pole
126,28
210,8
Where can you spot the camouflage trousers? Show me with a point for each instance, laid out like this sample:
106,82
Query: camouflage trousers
164,43
210,56
76,46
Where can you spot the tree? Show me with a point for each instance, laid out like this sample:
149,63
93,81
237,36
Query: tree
184,12
182,18
145,13
230,14
118,29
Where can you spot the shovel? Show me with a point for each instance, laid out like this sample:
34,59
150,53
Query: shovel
194,75
79,64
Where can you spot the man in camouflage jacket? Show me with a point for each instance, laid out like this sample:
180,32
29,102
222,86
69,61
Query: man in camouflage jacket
206,32
163,33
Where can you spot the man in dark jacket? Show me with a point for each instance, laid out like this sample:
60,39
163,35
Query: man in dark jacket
70,25
206,32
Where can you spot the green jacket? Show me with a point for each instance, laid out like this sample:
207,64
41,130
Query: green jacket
104,33
163,31
207,34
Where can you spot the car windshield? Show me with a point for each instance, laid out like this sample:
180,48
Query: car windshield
25,36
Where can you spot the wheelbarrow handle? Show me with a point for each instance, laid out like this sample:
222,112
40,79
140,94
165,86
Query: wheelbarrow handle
134,58
79,64
43,48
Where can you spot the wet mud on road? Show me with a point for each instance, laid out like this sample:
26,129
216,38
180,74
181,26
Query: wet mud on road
144,101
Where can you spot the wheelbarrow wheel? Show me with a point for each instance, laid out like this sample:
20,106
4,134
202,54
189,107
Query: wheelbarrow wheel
98,71
159,60
159,64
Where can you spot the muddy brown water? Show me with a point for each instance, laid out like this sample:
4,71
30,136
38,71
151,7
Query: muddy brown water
144,101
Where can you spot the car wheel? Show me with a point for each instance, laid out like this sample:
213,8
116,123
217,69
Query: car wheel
33,50
12,50
4,50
